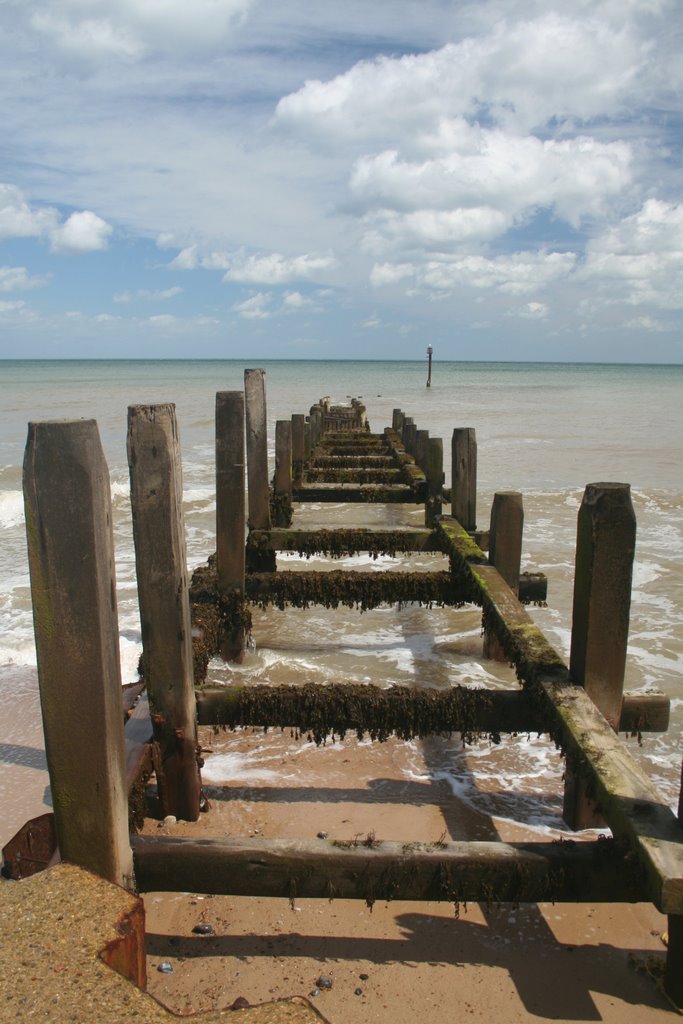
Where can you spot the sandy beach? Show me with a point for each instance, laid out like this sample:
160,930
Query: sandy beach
394,961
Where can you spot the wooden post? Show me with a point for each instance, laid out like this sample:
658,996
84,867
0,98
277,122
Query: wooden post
673,973
434,474
298,421
464,477
230,517
410,434
316,425
156,494
257,450
73,587
421,443
307,440
605,547
230,512
505,553
397,420
282,480
407,421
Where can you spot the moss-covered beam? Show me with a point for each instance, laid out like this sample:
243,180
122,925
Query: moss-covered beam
356,474
363,590
625,796
329,710
323,712
350,461
367,868
340,493
629,802
343,542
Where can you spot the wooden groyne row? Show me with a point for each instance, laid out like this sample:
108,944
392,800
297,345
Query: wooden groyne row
185,623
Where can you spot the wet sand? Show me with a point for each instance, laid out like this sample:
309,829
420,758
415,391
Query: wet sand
399,960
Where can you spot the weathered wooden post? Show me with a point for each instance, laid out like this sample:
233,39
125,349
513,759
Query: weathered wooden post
257,449
410,435
673,973
407,422
73,587
434,474
230,512
464,477
282,480
505,553
397,421
421,443
307,439
605,548
258,559
298,421
316,425
156,495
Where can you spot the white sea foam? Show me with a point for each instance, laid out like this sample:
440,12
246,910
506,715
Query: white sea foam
234,767
11,508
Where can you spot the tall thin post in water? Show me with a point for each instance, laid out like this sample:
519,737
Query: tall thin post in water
430,351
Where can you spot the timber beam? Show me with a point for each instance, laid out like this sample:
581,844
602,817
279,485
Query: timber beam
343,542
340,493
363,590
625,796
369,869
328,710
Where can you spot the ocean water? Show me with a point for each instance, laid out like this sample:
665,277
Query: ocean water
543,429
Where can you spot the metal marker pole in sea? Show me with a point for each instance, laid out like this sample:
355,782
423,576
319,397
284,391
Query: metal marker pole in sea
429,371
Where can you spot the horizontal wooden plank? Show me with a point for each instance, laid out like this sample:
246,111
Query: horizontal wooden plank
363,590
339,493
368,869
342,542
326,710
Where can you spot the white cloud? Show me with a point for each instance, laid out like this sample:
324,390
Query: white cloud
648,324
151,296
493,182
14,279
295,300
162,320
81,232
532,311
639,261
91,30
276,269
517,73
255,307
515,274
18,219
11,307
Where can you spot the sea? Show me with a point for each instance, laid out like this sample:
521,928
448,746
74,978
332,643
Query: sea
544,429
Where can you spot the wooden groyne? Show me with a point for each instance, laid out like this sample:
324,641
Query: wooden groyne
330,454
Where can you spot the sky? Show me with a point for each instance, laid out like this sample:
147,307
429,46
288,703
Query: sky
323,180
